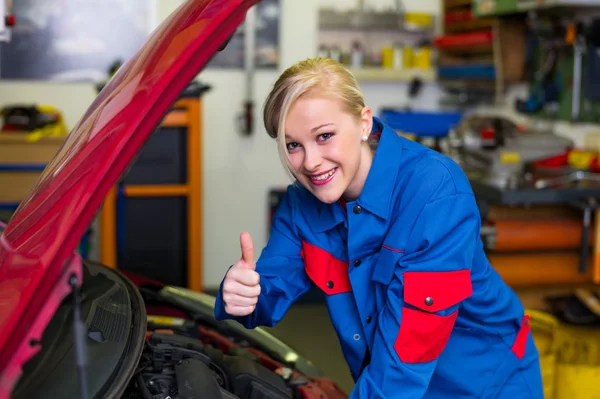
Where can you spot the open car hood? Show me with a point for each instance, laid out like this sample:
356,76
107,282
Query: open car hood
37,246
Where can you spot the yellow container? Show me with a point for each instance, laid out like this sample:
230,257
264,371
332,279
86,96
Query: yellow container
581,159
408,57
569,357
544,327
387,57
418,19
422,58
577,381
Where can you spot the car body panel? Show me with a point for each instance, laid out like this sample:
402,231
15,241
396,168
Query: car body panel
37,245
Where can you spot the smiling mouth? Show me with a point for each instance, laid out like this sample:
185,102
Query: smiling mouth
323,178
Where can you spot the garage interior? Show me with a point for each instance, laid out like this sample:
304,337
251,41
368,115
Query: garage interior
509,89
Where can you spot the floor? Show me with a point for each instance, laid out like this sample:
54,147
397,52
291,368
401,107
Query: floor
300,326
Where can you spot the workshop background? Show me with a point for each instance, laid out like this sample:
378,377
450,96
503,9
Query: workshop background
510,89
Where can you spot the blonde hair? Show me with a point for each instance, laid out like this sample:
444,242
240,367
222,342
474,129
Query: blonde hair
322,75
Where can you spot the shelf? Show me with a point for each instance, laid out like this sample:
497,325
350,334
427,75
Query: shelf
375,74
456,3
475,49
523,5
499,8
475,24
368,21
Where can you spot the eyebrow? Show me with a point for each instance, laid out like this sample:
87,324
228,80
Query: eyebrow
314,129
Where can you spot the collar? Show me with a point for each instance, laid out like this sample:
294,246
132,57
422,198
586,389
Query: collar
377,192
376,195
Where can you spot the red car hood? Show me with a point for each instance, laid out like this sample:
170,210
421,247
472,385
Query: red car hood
37,246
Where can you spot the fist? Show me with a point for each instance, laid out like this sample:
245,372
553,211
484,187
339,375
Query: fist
241,285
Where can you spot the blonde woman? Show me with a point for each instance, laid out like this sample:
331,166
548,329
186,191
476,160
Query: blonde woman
392,239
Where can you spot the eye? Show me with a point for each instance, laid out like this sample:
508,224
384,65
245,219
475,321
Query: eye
325,136
292,146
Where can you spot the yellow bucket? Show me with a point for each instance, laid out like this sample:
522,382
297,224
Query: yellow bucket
544,327
569,357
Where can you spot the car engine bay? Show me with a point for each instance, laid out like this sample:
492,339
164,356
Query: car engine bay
184,358
183,363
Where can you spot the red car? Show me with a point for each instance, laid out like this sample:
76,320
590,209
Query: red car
70,328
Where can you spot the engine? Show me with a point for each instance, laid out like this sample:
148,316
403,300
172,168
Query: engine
192,361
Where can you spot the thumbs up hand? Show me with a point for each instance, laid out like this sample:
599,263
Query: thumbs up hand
241,285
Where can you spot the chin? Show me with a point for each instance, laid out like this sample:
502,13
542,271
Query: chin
329,193
328,199
328,196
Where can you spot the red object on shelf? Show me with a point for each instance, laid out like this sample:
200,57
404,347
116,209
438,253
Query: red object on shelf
458,16
10,20
555,161
488,133
465,39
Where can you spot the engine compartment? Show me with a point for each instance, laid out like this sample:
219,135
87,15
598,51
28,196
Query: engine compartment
182,359
189,355
180,365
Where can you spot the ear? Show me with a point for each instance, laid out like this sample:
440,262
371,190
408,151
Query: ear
366,120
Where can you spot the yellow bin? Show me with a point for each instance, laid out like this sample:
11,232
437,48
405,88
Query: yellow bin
569,357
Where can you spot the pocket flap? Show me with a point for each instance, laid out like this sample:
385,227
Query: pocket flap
384,268
325,270
435,291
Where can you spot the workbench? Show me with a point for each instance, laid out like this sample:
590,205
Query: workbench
553,267
532,196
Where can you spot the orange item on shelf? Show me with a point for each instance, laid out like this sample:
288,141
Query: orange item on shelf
537,235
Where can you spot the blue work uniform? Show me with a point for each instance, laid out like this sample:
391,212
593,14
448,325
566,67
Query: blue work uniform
418,309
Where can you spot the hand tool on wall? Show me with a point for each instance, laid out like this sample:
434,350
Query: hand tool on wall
577,35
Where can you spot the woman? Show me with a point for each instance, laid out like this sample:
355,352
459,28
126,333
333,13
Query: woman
392,239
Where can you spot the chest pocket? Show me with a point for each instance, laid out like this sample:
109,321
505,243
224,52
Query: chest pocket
328,273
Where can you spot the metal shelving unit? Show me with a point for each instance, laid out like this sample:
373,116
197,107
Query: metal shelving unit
373,31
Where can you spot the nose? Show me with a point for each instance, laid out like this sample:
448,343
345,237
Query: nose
312,159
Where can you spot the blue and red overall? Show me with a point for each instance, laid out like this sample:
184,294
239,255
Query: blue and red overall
406,279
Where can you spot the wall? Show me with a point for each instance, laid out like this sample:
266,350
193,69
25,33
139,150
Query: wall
239,171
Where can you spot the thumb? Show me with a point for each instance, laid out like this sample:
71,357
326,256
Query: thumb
247,250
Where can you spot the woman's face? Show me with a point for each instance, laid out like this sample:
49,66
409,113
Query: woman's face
326,148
